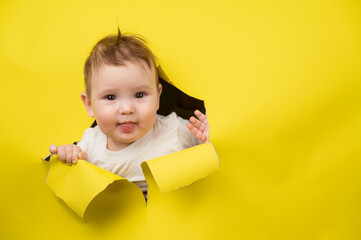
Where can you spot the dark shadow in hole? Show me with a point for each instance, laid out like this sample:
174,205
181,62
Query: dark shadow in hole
174,100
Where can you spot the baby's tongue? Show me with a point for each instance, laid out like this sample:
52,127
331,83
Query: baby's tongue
127,126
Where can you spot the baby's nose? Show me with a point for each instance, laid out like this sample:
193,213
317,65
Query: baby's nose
127,107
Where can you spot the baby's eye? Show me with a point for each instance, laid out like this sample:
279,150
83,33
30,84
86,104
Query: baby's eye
139,95
110,97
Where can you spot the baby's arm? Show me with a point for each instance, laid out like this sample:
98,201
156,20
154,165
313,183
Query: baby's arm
199,127
69,153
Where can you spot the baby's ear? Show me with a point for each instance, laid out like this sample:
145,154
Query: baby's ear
159,89
159,93
87,104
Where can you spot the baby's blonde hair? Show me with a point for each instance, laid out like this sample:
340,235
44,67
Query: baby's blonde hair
117,50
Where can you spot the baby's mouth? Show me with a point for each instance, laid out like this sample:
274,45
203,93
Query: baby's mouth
127,126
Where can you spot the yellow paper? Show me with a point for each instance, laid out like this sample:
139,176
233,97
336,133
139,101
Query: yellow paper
80,183
182,168
281,81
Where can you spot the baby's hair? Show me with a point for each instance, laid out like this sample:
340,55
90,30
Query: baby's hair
117,50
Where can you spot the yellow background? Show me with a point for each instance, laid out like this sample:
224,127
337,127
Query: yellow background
281,81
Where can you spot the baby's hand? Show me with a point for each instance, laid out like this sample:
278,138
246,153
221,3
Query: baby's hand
199,127
68,154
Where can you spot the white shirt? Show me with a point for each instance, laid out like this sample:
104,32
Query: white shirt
169,134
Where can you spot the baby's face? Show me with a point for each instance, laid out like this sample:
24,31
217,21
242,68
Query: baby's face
124,101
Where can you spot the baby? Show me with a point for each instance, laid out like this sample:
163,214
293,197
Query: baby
122,94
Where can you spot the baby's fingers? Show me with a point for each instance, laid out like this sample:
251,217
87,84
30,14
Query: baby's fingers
69,149
78,154
53,149
82,155
193,129
75,152
62,153
67,153
201,135
201,116
198,124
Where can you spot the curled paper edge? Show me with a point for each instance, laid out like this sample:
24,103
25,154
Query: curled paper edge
181,168
79,184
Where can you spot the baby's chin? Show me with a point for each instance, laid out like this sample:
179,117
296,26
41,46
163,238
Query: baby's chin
121,143
117,145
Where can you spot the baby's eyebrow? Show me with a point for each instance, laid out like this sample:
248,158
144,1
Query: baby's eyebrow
108,89
142,87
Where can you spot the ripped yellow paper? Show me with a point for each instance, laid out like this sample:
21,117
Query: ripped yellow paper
182,168
78,184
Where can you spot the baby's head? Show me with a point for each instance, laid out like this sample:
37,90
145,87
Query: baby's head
118,50
122,89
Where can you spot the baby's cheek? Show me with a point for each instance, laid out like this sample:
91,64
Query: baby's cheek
149,115
105,117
